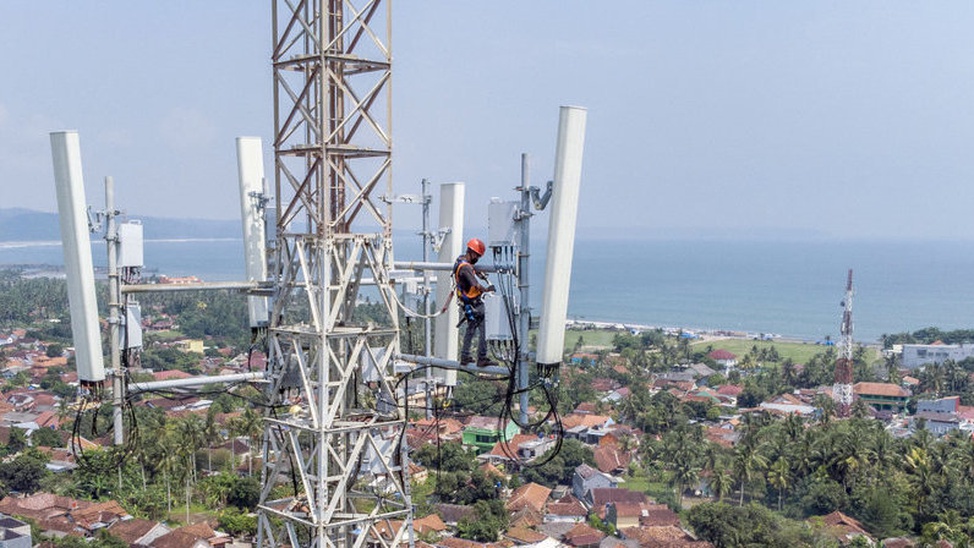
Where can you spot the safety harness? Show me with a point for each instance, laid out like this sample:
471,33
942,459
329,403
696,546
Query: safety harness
465,299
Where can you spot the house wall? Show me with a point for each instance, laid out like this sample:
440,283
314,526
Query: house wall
917,355
484,439
581,487
939,428
937,406
884,403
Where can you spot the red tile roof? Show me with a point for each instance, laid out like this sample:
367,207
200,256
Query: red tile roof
721,354
454,542
879,389
132,530
628,509
838,519
526,517
657,515
491,470
522,535
604,495
98,512
663,537
572,420
170,374
505,450
604,384
485,423
609,459
567,506
432,523
586,407
444,426
177,539
583,535
530,495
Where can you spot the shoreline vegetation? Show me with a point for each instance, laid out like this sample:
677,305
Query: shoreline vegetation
599,335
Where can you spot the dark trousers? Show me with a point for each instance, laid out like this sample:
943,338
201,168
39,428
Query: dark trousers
474,325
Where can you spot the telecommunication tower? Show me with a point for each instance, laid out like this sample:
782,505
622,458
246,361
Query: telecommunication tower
333,467
842,389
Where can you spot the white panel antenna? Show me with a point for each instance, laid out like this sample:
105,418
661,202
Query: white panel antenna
133,326
69,184
502,230
250,169
561,235
130,248
497,324
446,339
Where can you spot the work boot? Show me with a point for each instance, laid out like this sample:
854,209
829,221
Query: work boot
464,360
485,362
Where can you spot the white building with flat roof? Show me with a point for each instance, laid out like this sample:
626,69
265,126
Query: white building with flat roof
918,355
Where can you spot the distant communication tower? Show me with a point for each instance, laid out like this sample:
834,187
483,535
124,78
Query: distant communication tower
333,468
842,389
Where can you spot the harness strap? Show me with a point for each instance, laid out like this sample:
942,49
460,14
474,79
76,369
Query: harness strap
473,292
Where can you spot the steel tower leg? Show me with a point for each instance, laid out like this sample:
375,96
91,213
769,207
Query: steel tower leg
333,471
842,389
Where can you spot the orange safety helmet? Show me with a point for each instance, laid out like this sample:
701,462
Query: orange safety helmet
477,246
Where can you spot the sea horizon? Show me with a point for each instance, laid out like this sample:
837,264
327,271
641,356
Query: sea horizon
791,289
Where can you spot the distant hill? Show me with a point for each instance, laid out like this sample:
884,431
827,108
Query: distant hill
20,225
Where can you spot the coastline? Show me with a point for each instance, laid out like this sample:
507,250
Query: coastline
740,289
695,333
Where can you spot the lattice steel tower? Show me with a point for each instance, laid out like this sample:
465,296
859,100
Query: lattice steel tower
333,468
842,389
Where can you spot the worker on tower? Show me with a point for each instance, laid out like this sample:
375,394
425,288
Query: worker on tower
470,292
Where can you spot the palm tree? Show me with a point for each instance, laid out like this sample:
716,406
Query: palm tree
932,378
963,455
98,486
211,433
628,410
169,460
64,410
685,474
681,452
882,447
747,461
721,483
949,526
216,488
251,425
779,475
922,476
922,439
191,430
892,368
852,451
827,406
627,443
794,427
712,456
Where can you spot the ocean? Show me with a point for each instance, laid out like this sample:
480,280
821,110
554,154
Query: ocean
790,289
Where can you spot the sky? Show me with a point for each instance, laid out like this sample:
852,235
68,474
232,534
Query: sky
798,119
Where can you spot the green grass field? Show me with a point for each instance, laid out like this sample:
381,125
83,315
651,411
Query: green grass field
590,337
799,352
